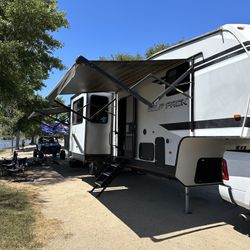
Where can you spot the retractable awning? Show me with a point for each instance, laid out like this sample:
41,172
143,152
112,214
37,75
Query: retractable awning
104,76
48,112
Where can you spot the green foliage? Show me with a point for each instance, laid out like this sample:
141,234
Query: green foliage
29,126
26,45
14,116
9,116
159,47
149,52
156,48
17,220
122,57
26,57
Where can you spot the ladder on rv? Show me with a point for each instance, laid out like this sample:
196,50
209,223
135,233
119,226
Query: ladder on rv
111,171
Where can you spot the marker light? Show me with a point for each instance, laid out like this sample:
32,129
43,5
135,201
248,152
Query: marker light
237,116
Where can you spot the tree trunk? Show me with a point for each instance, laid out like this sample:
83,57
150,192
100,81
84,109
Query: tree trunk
17,139
32,142
12,141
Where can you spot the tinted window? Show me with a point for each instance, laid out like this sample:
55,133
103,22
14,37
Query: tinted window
78,107
174,74
96,103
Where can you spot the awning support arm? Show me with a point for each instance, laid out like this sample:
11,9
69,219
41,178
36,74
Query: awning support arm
169,85
41,122
173,85
72,110
103,108
150,75
141,81
82,59
50,116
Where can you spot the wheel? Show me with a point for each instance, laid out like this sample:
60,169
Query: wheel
41,155
95,168
35,153
92,168
62,155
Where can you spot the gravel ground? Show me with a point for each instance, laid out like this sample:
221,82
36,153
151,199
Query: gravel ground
136,212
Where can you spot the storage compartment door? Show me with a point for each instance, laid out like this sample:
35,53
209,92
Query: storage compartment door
159,152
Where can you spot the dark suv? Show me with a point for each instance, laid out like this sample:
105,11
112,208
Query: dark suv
48,145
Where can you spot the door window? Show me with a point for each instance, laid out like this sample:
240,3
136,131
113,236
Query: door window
96,103
78,107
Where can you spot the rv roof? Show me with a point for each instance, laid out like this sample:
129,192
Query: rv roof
84,78
231,28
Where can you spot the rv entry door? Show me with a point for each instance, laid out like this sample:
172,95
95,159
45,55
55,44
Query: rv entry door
126,127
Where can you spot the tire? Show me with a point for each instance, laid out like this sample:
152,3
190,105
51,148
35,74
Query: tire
95,168
62,155
92,168
41,155
35,153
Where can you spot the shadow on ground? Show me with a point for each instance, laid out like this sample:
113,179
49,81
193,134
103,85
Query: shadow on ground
52,171
151,206
46,171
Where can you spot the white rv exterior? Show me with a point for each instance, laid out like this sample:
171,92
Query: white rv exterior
236,178
89,139
190,124
219,87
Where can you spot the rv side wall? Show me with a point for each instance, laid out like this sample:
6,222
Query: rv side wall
221,92
221,81
160,121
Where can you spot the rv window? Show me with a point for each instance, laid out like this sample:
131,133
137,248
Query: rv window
96,103
174,74
78,107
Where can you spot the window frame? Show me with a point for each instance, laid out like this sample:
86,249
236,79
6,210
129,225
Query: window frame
76,118
184,85
95,108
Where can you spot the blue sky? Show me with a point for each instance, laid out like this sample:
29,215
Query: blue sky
105,27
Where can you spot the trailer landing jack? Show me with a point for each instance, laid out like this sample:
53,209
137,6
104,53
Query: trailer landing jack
187,200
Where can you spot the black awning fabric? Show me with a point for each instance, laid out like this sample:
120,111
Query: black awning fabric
84,78
48,111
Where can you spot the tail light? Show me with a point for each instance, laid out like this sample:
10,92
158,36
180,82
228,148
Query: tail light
224,170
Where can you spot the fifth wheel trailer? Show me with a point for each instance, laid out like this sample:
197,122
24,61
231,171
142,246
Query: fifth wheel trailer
178,112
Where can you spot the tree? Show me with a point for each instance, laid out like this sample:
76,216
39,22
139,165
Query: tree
26,56
32,127
159,47
27,46
122,57
9,117
149,52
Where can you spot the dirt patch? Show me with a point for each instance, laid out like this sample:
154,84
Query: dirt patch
24,224
135,212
